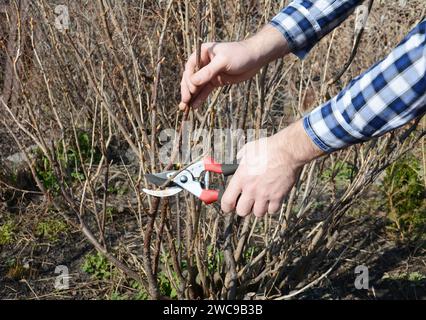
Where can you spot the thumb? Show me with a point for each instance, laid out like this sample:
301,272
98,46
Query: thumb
208,72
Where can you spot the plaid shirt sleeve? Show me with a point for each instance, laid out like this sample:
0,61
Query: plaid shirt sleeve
303,23
383,98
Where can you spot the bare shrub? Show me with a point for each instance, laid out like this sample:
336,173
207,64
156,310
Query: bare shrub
111,80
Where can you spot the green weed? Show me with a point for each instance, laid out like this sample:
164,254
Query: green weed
71,160
250,252
341,172
120,191
405,198
98,266
166,287
50,229
409,276
7,231
141,293
215,259
118,296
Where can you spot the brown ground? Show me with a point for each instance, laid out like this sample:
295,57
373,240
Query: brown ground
391,264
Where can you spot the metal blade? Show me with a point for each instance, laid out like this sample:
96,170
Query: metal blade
159,179
163,193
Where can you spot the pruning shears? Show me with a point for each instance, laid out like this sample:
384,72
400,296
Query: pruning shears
194,178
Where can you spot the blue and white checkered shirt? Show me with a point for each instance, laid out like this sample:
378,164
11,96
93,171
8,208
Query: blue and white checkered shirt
386,96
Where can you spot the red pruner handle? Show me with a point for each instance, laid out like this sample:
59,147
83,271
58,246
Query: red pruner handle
209,196
212,166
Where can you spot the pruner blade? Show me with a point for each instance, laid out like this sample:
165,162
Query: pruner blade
160,179
170,191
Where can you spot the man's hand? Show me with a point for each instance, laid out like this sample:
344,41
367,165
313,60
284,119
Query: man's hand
268,170
224,63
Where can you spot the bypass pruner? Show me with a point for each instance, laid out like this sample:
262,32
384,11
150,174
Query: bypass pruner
190,179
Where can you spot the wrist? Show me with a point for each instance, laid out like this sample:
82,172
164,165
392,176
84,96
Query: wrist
296,145
267,45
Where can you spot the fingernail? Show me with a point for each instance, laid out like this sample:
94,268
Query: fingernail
182,106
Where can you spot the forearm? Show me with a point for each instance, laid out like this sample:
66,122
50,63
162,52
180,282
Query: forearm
296,145
297,28
267,45
303,23
385,97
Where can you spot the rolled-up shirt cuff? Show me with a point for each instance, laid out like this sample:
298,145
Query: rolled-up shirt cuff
314,136
303,23
298,27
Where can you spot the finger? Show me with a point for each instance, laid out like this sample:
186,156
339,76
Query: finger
184,93
207,73
191,64
223,79
274,207
202,96
191,87
260,208
190,68
245,205
232,192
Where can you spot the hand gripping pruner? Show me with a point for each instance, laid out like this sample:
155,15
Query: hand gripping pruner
190,179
